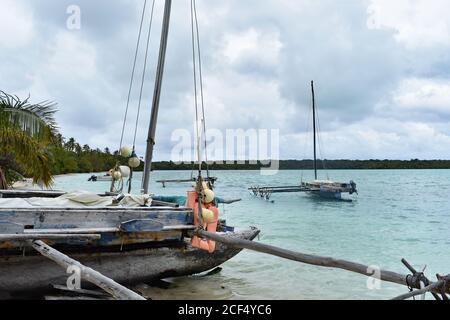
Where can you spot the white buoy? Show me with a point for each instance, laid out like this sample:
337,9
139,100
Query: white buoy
125,171
208,196
134,162
125,151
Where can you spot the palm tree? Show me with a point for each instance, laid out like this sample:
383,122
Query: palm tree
26,132
70,145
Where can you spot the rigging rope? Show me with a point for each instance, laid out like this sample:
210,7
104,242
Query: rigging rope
307,139
320,144
143,76
132,74
195,90
201,87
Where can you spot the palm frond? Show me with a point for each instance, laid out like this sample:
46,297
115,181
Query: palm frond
28,153
35,119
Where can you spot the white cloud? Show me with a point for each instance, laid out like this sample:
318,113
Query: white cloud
375,138
379,95
417,23
252,45
428,95
16,24
72,56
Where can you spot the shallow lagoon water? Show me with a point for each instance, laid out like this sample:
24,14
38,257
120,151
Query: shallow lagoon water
397,214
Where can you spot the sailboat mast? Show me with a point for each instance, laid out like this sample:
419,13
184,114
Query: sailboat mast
156,97
314,129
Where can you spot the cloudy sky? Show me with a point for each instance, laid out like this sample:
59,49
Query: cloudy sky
381,68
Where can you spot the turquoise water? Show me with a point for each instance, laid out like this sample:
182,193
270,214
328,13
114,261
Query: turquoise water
397,214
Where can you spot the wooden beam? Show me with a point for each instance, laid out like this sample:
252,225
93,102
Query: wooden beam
180,227
48,236
327,262
78,231
430,288
81,291
116,290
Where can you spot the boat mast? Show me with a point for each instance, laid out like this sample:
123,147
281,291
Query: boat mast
156,97
314,129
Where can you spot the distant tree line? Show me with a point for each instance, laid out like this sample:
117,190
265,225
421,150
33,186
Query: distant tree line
31,146
322,164
68,156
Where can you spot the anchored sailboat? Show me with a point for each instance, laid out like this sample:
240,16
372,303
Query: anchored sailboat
323,188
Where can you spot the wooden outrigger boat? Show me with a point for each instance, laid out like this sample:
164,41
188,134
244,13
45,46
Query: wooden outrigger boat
134,243
129,245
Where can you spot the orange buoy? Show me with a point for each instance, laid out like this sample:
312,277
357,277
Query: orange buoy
211,226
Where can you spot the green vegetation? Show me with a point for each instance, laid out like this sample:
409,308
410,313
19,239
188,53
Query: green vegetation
68,156
26,133
32,147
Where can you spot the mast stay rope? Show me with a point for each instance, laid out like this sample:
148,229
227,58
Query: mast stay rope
132,74
200,116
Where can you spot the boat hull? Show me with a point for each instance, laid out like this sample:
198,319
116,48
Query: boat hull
35,272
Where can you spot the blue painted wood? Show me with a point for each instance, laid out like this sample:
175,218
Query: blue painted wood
52,219
142,225
8,227
145,229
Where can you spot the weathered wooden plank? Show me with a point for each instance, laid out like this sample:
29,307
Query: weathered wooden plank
157,203
99,230
116,290
14,193
36,236
141,225
183,227
10,227
108,239
60,219
81,291
80,298
72,231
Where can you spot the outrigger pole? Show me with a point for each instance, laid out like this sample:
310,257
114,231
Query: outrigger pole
156,97
110,286
416,280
